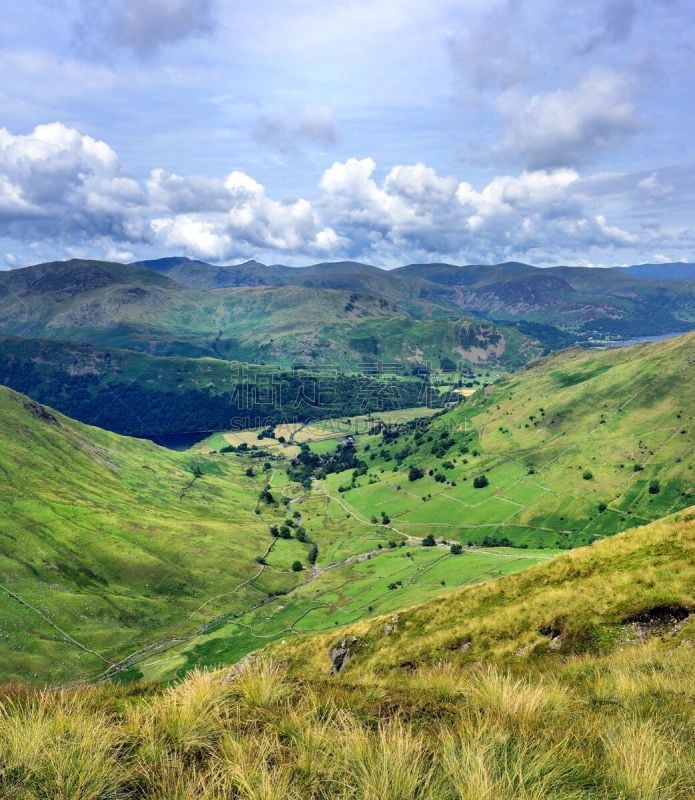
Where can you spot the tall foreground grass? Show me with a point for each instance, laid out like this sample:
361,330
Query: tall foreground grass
612,728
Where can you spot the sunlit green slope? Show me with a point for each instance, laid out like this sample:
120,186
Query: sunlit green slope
611,448
109,543
579,446
112,546
619,592
114,551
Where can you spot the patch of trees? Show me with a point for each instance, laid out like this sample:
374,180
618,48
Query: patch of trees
266,496
391,432
553,338
308,465
313,553
480,482
443,445
496,541
164,399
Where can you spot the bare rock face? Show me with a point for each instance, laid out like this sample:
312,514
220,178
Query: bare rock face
339,656
40,412
661,620
391,626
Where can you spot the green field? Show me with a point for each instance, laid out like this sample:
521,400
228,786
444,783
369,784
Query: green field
321,435
343,593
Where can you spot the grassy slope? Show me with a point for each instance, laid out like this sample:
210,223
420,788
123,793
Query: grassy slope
606,715
112,541
554,507
580,602
98,536
111,545
345,585
534,435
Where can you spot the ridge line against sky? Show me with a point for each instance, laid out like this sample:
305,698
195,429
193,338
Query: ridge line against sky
461,131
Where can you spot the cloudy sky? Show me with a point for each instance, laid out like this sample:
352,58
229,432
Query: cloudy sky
388,131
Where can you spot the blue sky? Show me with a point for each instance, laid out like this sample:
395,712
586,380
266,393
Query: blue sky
389,132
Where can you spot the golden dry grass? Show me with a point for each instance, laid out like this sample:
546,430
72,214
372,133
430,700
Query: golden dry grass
582,733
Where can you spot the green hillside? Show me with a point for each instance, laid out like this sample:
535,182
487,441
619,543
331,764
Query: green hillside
315,325
113,545
138,394
595,600
559,480
400,666
578,446
573,681
109,542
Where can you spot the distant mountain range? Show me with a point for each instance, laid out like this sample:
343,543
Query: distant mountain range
344,315
642,300
349,320
202,275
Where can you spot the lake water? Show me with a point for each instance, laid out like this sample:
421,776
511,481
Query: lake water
179,441
640,340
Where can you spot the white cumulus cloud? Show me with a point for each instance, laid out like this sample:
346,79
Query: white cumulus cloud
56,180
565,127
68,191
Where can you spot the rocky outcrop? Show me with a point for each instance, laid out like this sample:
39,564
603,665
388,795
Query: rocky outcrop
339,655
391,626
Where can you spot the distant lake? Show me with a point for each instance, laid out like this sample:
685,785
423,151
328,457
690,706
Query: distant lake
640,340
178,441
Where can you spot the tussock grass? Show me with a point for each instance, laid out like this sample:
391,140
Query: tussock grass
581,731
59,747
640,758
390,762
517,703
261,687
184,719
251,769
483,762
